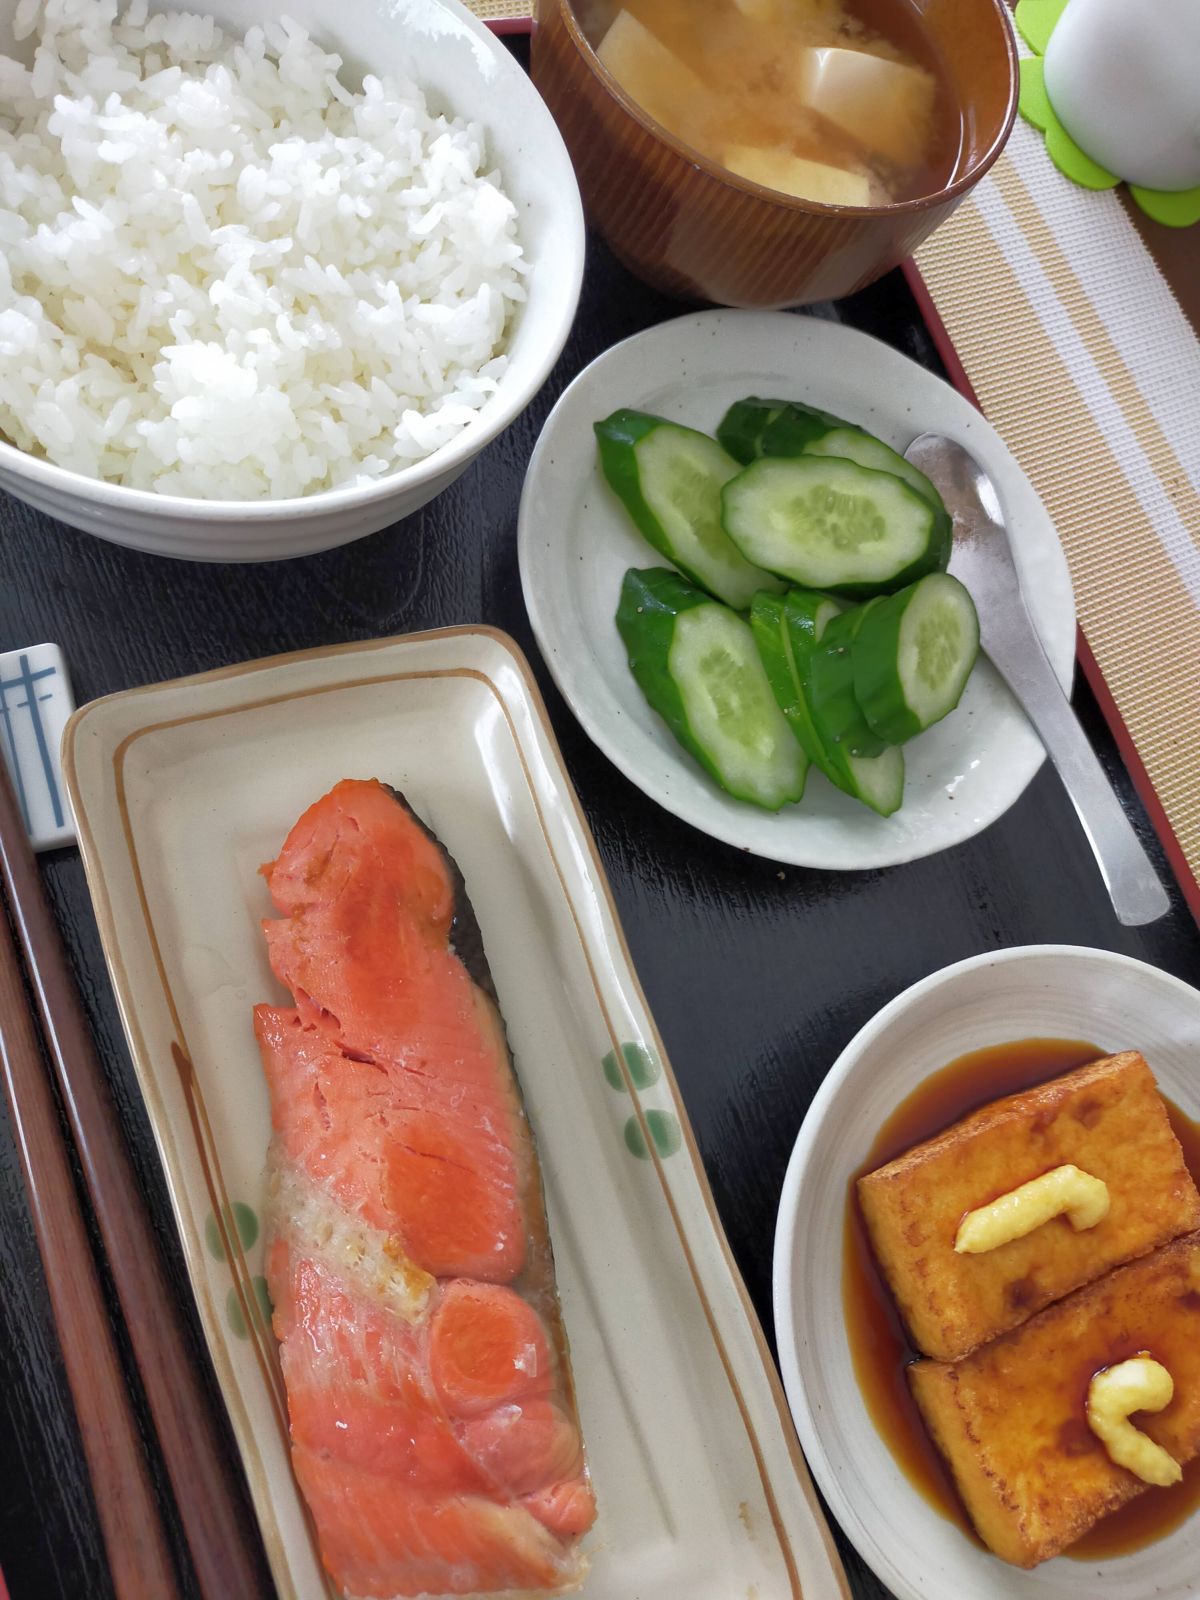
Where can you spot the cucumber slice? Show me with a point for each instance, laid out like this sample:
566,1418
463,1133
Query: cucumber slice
878,781
855,444
741,428
787,630
835,711
828,523
755,427
794,429
913,654
696,663
669,479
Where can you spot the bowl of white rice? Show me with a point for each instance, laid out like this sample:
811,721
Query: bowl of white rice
271,276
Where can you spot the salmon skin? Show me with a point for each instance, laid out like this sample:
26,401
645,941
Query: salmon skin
433,1421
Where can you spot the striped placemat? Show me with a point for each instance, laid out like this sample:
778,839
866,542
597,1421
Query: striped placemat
518,13
1077,322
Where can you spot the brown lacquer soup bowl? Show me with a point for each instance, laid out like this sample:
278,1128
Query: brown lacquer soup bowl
687,226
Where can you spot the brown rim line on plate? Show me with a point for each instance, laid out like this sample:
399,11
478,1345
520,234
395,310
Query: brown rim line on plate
105,746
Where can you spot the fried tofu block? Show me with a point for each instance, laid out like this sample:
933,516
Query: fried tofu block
1108,1119
1011,1419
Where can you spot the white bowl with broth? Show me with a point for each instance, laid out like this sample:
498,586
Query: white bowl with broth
466,71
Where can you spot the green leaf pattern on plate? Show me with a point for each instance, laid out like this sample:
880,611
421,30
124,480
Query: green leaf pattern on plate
240,1221
233,1307
664,1132
241,1224
644,1069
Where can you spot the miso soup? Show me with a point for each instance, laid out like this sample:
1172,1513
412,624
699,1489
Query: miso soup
848,104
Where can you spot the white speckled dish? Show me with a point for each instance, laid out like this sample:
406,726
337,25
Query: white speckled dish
1035,991
576,543
180,792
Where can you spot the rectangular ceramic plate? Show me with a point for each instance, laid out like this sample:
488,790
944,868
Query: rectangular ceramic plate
180,792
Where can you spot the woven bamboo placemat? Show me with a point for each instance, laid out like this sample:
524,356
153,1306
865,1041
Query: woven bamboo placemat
502,10
1078,328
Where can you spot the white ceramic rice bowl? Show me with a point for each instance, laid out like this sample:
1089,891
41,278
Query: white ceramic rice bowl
465,70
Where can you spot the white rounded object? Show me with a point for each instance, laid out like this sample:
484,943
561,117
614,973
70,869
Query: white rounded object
1124,81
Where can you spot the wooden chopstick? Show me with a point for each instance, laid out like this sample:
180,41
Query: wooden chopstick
225,1551
129,1516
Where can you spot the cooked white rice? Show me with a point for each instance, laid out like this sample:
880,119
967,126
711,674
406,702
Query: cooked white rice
223,273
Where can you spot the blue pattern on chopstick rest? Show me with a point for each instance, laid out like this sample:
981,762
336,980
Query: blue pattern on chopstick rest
35,703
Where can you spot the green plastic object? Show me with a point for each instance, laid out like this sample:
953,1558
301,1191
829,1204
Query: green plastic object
1036,21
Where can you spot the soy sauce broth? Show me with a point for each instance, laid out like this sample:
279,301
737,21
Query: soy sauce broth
723,76
879,1345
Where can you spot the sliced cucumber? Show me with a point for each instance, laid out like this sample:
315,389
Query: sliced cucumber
787,631
835,711
855,444
755,427
696,663
669,479
913,655
796,428
828,523
741,428
878,781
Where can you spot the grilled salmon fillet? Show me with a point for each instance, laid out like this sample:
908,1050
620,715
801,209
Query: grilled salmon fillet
433,1422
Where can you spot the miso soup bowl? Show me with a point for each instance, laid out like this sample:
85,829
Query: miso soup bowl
687,226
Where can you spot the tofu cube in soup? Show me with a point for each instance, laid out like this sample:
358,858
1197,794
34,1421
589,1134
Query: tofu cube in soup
886,106
796,175
664,86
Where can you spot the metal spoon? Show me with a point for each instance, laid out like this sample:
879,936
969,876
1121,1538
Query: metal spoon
983,560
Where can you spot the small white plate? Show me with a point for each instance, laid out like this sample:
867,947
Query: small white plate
576,543
1036,991
180,791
